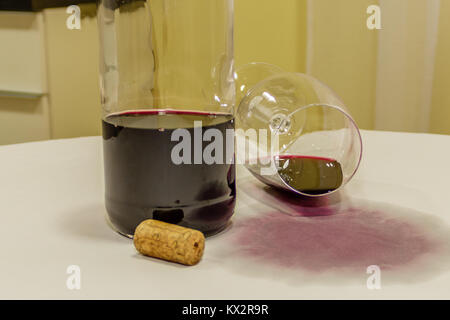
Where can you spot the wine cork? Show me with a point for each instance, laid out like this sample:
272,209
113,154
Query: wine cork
169,242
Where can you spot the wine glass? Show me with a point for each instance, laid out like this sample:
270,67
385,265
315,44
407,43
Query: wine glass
250,74
293,132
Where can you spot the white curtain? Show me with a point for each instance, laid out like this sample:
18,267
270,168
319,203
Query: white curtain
386,77
405,65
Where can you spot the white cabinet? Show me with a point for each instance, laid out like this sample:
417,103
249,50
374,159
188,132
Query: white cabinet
24,108
48,76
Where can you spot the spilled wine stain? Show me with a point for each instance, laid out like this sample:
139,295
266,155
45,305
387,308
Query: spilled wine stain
354,240
333,235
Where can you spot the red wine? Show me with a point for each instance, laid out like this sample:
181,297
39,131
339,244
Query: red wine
143,182
310,175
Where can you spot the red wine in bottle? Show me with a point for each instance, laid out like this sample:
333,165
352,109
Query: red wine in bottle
310,175
143,182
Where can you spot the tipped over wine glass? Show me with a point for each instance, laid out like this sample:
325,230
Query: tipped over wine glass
295,131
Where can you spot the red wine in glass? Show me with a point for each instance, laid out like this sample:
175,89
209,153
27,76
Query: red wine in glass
310,175
143,182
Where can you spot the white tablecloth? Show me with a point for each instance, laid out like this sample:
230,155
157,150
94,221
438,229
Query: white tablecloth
394,214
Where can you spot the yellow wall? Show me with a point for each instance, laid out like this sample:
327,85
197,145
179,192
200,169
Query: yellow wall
343,54
271,31
72,66
440,112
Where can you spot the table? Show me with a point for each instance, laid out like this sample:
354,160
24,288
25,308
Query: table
393,215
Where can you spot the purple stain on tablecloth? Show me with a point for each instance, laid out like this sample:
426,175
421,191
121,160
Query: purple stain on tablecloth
355,239
331,239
